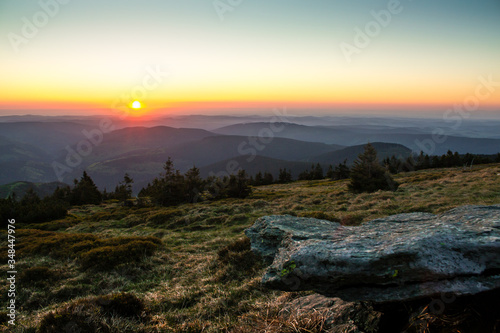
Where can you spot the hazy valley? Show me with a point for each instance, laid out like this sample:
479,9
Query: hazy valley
47,149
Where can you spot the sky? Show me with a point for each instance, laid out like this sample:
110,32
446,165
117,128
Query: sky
216,56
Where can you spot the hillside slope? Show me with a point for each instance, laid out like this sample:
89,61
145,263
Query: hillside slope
351,153
20,188
416,139
203,276
255,165
210,153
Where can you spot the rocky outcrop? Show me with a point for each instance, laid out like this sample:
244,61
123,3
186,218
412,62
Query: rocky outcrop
401,257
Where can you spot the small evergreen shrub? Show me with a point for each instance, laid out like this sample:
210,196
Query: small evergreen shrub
53,225
260,203
236,219
93,314
107,257
320,215
89,250
4,318
164,216
71,319
83,246
237,260
55,244
122,304
37,274
106,216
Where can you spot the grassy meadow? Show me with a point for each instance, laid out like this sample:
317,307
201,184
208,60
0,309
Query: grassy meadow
188,268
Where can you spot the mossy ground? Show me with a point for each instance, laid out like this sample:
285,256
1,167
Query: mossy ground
189,268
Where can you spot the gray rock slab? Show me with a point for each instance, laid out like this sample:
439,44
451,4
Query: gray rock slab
400,257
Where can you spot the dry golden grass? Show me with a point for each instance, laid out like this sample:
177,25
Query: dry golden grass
191,284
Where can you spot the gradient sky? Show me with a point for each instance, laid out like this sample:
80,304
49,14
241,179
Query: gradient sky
265,53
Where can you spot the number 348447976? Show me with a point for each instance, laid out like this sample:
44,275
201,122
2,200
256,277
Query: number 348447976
11,231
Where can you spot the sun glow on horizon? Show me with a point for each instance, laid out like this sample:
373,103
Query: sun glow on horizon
136,109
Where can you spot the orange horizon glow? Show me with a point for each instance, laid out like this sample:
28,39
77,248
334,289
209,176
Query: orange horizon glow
219,107
349,96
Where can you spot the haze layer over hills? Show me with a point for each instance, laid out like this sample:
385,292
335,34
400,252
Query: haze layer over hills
48,149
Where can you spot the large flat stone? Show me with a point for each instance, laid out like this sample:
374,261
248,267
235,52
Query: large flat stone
400,257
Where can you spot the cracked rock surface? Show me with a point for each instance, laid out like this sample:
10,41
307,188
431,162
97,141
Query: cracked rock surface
396,258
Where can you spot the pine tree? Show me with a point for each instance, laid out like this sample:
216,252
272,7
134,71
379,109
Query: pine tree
268,179
169,189
85,192
284,176
31,198
9,209
127,182
33,209
216,186
394,164
427,162
124,190
367,175
341,171
305,175
447,159
258,179
238,185
317,172
409,164
329,172
457,160
436,162
193,184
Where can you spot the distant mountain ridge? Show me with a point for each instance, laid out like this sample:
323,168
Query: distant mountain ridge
17,151
20,188
272,165
133,140
412,137
28,149
50,137
351,153
146,164
258,164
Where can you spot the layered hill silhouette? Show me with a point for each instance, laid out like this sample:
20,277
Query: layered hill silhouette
349,154
20,188
29,146
11,151
208,153
49,137
414,138
258,164
138,141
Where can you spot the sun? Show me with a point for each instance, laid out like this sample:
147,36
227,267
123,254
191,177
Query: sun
136,105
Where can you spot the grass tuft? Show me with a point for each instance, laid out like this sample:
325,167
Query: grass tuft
106,313
237,260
